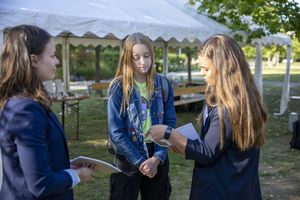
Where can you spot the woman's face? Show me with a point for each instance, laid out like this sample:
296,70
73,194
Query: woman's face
141,59
45,64
208,70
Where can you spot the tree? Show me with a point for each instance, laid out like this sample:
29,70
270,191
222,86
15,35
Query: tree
296,49
239,15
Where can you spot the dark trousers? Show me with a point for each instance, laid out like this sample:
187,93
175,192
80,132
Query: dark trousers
124,187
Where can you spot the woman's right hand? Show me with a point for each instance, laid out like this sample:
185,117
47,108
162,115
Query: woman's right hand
85,173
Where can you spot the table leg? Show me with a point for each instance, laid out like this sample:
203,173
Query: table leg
78,109
63,114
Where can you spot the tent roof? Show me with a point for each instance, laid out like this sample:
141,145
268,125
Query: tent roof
279,39
157,19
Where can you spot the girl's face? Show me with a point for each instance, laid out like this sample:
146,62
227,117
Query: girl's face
45,64
141,59
208,70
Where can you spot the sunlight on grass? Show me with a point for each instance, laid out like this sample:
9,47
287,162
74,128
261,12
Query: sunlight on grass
99,142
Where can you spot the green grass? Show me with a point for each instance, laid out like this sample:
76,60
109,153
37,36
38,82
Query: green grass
277,73
279,167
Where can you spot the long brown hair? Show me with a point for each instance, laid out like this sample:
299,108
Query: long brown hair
17,76
236,91
126,69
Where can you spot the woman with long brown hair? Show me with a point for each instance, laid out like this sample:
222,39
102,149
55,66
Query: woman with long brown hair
34,151
233,123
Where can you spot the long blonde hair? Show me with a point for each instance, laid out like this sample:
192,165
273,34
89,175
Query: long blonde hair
17,76
236,91
125,69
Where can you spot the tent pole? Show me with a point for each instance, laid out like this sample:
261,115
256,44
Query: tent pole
66,63
189,58
165,58
285,96
97,60
258,70
1,39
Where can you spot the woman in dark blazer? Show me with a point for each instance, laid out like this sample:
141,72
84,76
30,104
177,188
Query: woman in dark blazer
34,151
233,122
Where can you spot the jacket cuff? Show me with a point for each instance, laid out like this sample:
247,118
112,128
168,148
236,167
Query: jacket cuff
139,162
160,156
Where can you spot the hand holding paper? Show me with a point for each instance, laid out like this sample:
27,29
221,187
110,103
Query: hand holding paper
98,164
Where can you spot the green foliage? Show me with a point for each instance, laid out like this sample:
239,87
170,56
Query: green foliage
176,60
59,71
296,49
82,62
109,59
273,15
249,52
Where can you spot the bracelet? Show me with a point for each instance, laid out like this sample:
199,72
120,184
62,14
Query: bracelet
168,132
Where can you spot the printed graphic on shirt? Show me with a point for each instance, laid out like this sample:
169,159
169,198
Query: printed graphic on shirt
144,107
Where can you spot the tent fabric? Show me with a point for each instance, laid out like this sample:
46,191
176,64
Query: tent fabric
278,39
85,21
285,95
115,18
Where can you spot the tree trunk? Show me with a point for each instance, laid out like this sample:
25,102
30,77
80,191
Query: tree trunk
97,53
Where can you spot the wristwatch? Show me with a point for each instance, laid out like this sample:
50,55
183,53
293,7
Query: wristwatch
168,132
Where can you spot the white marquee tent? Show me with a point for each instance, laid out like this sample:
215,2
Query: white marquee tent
107,22
168,23
280,40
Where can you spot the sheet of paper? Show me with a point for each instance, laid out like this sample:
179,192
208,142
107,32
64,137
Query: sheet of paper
100,165
189,131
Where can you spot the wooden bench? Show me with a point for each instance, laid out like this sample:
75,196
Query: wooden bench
102,88
187,95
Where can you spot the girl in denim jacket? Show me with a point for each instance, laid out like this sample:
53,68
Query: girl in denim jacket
136,102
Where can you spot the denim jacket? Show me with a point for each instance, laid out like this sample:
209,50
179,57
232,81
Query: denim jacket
125,129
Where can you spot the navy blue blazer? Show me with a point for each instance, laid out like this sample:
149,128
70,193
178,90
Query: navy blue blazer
222,174
34,153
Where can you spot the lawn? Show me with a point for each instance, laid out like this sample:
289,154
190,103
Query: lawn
279,167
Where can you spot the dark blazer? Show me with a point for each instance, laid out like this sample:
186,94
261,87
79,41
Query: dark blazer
34,153
222,174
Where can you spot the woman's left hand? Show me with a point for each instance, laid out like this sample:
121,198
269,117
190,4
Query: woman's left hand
149,167
157,132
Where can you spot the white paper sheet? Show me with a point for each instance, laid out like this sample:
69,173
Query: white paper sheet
100,164
189,131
